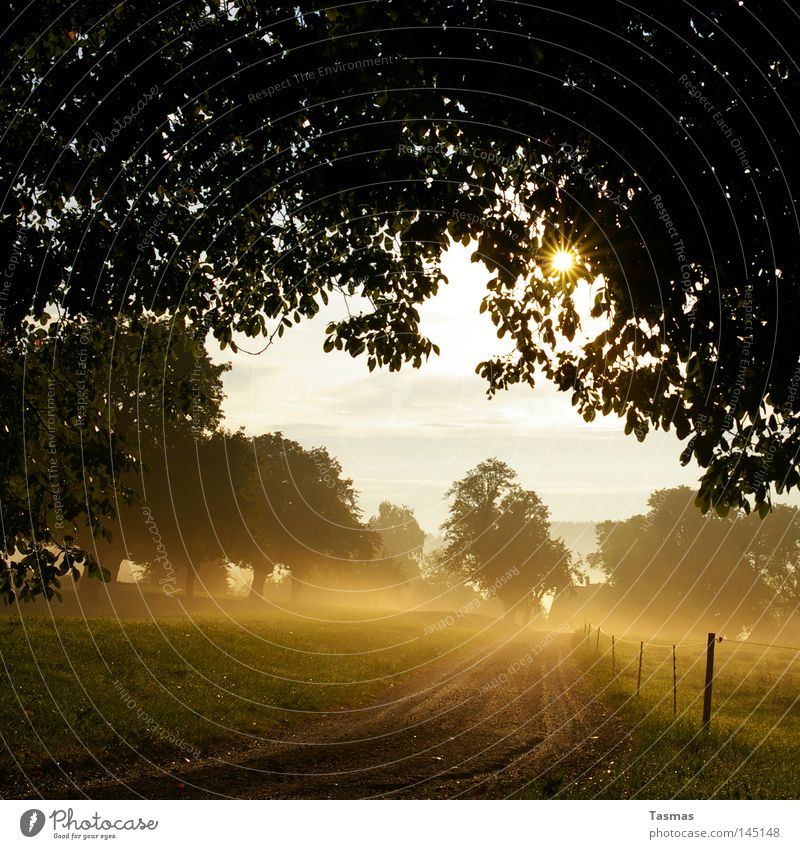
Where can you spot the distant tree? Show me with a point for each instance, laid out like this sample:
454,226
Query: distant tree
546,565
226,465
401,544
301,512
498,536
678,568
195,172
437,571
113,402
173,535
774,554
164,396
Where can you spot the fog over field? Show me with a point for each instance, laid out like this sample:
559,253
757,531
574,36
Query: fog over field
399,401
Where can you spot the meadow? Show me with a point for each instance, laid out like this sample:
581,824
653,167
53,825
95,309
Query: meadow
80,694
751,749
84,692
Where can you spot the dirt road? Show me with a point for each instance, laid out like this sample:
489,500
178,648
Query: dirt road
490,723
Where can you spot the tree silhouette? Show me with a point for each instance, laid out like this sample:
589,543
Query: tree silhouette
401,545
498,537
680,569
167,397
243,162
119,404
301,512
255,503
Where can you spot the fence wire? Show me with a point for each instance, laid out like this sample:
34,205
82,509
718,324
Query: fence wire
707,644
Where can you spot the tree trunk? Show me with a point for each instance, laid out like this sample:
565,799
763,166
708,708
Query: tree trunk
108,557
113,565
260,571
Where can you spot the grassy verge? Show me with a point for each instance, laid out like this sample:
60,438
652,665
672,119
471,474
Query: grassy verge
75,692
753,746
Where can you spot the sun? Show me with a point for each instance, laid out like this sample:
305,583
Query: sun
562,261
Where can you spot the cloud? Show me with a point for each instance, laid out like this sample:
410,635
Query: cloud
406,436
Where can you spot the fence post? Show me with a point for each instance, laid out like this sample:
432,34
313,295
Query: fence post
712,638
588,633
613,659
674,681
597,644
639,675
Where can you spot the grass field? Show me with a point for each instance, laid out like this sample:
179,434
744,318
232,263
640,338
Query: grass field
78,692
752,749
82,693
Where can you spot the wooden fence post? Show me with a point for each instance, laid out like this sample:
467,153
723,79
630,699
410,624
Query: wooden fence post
588,633
674,681
613,659
712,638
597,644
639,676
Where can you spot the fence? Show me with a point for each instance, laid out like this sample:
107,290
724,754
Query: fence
690,650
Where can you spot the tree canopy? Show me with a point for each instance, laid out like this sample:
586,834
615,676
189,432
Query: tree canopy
257,503
300,511
401,545
678,568
239,164
498,537
109,411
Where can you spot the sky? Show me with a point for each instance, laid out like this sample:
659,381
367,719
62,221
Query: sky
407,436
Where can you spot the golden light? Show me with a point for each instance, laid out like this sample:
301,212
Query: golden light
562,261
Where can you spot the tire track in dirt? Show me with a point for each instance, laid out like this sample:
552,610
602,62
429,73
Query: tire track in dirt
488,722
